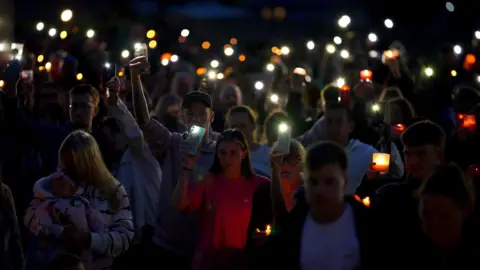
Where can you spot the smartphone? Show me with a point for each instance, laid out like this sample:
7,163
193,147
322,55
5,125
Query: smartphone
195,137
140,49
27,75
284,138
109,71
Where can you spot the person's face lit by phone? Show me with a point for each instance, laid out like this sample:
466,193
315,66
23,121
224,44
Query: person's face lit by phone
291,165
442,220
421,161
325,188
337,125
243,123
82,110
230,154
197,114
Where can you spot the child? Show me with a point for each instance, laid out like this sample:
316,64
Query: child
61,207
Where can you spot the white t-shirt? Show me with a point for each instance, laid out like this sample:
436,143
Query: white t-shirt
331,246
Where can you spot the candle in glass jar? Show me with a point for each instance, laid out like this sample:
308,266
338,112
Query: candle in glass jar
380,162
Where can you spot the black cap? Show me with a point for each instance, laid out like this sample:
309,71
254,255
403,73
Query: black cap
197,96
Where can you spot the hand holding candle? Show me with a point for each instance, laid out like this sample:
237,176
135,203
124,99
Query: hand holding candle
380,162
469,122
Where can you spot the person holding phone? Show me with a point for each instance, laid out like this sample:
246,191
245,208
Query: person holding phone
173,236
224,199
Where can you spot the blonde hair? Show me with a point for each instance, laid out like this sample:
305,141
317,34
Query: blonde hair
296,147
79,157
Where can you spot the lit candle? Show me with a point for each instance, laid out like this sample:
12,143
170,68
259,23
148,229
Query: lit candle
366,201
380,162
268,231
399,128
366,75
345,95
469,122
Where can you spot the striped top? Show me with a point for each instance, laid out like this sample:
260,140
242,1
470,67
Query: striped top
104,245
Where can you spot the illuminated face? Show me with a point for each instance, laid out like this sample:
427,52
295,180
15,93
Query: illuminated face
82,109
197,114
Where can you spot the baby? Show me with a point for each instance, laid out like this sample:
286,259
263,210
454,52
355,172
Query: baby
60,207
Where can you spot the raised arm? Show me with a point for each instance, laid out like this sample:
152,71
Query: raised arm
314,134
278,202
156,135
130,128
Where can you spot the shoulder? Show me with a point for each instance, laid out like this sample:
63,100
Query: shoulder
391,192
261,179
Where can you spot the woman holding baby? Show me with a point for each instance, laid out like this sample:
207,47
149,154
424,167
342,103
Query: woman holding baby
81,209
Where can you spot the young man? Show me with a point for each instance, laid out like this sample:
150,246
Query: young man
83,107
174,233
330,231
395,208
338,127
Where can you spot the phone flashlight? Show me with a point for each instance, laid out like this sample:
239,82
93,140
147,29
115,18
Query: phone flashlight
195,129
274,98
282,128
375,108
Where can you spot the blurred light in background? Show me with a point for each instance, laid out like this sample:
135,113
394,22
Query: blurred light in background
310,45
450,7
285,50
344,54
152,44
457,49
344,21
48,66
388,23
66,15
90,33
185,33
242,58
125,54
165,62
79,76
151,34
428,71
52,32
270,67
330,48
229,51
233,41
40,26
63,34
206,45
337,40
201,71
174,58
372,37
40,58
214,64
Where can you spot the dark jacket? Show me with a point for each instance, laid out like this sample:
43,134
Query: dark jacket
397,227
11,253
285,242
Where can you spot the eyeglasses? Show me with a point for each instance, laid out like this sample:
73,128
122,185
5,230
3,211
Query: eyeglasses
292,160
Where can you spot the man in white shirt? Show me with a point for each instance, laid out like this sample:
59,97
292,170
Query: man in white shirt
325,230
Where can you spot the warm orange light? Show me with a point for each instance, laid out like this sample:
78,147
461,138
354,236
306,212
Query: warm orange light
469,122
241,58
366,75
470,60
399,128
120,74
201,71
233,41
181,39
391,54
366,201
166,56
345,88
227,46
206,45
41,68
357,198
380,162
268,231
275,50
228,70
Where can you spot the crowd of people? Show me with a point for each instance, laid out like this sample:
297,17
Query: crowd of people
114,177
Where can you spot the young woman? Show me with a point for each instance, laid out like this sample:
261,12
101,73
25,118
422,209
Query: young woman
224,198
80,160
446,211
244,119
11,253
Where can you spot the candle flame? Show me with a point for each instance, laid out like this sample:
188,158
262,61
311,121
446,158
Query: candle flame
366,201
